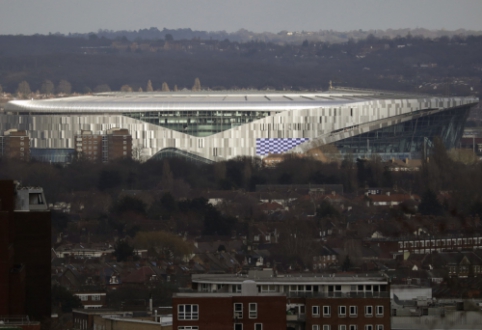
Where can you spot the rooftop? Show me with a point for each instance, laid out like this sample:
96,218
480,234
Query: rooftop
118,102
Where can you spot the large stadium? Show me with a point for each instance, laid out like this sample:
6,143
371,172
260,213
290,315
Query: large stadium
215,126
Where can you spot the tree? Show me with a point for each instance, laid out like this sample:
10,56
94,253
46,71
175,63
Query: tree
129,204
23,88
1,89
168,245
197,85
167,179
140,90
346,264
64,299
430,204
126,88
102,88
64,87
109,179
169,37
165,87
149,86
175,88
122,250
47,87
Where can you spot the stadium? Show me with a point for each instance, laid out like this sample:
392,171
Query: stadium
214,126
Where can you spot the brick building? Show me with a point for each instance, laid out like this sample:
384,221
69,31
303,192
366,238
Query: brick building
25,231
239,311
117,143
312,301
15,144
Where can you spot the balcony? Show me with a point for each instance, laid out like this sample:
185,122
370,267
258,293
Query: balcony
384,294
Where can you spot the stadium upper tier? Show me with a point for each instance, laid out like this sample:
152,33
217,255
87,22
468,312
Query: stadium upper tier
221,125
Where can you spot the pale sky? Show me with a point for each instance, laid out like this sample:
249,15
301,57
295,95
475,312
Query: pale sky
64,16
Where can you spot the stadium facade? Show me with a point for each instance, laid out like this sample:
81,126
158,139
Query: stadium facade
214,126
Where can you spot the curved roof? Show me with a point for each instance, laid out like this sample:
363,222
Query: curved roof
214,101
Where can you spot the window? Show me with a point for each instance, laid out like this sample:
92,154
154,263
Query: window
238,311
189,327
342,327
238,326
341,311
258,326
379,310
96,297
83,298
379,326
368,327
326,327
368,310
253,310
353,311
187,312
326,311
315,327
315,310
353,327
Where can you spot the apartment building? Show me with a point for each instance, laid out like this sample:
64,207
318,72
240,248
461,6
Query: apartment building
313,301
248,309
115,144
15,144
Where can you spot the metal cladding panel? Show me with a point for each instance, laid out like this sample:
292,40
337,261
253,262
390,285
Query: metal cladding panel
315,124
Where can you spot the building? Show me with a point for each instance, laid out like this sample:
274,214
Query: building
117,143
15,144
25,231
238,311
215,126
330,302
108,319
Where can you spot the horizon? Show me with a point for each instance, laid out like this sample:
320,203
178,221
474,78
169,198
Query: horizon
271,16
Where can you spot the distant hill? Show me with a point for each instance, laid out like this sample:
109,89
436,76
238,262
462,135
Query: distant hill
280,37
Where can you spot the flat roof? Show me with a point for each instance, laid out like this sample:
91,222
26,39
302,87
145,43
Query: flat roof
314,279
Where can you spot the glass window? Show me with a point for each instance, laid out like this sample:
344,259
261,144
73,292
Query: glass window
187,312
258,326
238,311
353,310
326,311
315,310
353,327
368,310
253,310
379,310
341,311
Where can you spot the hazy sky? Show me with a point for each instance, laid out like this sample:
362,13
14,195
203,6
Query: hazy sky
44,16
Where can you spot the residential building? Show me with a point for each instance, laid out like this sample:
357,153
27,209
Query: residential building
115,144
313,301
247,309
15,144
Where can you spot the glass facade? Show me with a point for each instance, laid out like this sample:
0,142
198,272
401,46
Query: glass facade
52,155
199,123
408,139
175,152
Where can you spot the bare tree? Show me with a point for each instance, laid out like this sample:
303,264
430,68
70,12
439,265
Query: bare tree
149,86
197,85
126,88
102,88
47,87
64,87
23,88
165,87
